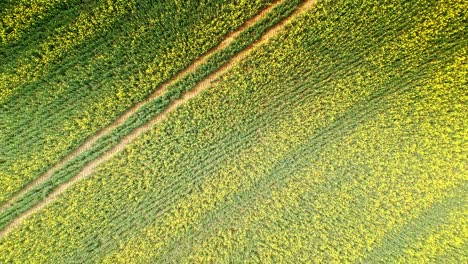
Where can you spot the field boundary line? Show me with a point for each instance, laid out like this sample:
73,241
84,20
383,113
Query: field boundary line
89,168
88,143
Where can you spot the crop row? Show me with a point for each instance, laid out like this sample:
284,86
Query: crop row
25,63
146,113
311,149
77,96
18,17
332,198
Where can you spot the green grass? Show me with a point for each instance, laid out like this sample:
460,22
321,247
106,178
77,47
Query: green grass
341,140
65,86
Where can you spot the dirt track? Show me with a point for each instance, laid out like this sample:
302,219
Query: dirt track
160,91
201,86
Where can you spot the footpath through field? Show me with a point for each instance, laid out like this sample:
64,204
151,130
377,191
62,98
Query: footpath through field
88,169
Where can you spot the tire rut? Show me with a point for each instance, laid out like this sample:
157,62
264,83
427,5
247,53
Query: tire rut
200,87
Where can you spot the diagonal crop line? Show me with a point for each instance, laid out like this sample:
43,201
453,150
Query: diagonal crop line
89,168
128,113
147,112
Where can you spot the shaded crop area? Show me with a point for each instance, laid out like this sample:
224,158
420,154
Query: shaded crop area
341,139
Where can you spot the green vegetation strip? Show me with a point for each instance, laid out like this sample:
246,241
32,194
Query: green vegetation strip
147,112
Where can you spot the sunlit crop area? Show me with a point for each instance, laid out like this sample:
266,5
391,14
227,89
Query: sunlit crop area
340,137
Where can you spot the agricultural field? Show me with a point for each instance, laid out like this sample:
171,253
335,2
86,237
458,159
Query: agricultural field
233,131
60,86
